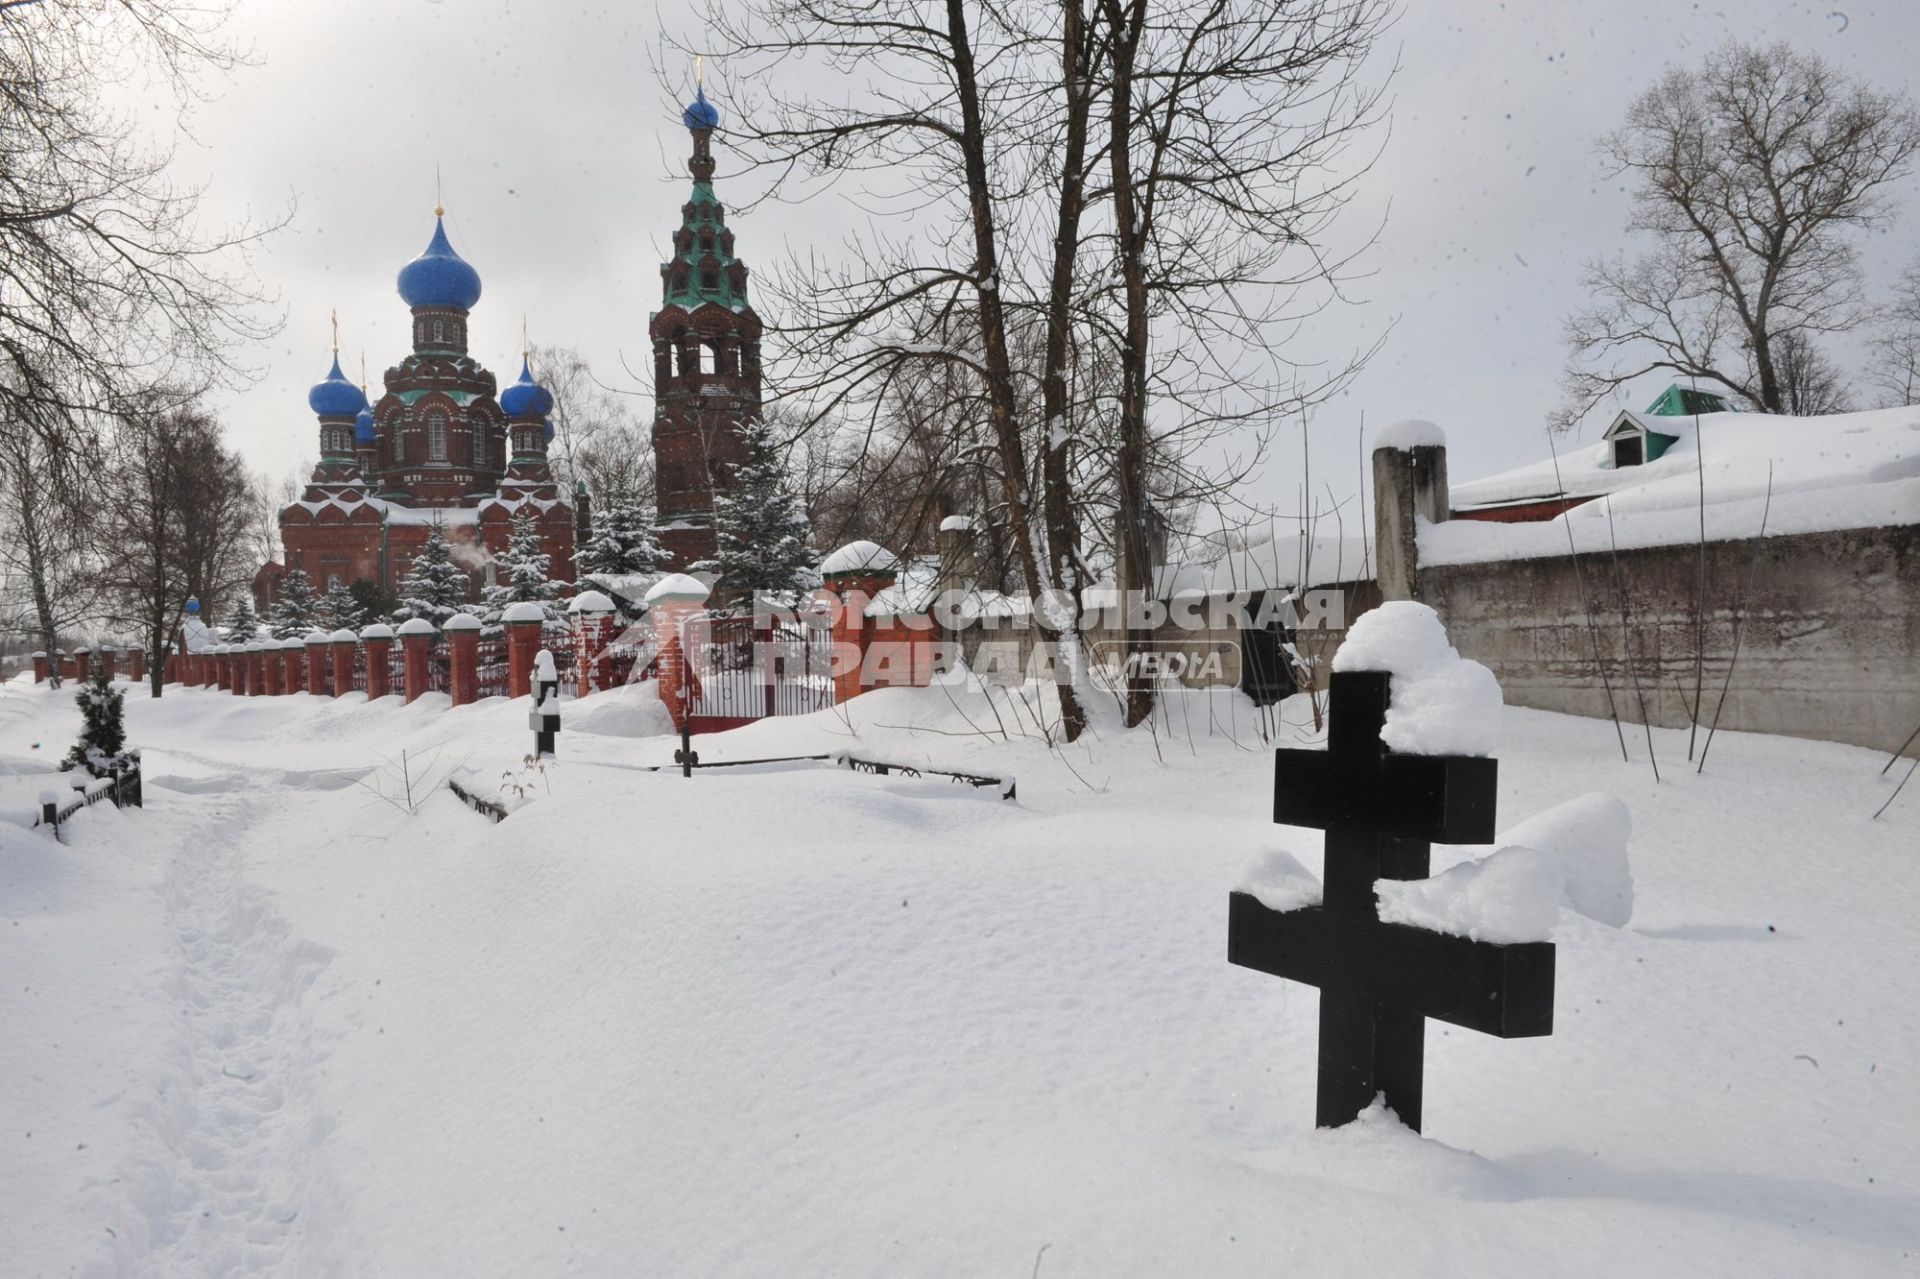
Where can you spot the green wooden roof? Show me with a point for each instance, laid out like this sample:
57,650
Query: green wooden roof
1686,401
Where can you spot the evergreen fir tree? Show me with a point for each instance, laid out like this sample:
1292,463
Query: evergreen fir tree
521,574
623,541
103,729
297,611
436,587
243,627
339,610
761,526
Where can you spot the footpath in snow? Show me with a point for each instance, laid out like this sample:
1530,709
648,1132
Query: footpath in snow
797,1020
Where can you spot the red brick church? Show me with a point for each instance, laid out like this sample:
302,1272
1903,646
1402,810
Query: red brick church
441,447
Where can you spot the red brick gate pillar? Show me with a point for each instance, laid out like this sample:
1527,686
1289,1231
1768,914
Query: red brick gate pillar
257,658
222,668
524,623
317,643
39,667
273,667
344,644
855,574
106,662
593,630
293,656
137,664
378,640
463,645
416,650
673,600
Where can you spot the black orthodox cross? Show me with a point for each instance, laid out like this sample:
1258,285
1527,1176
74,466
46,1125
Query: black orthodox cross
1379,982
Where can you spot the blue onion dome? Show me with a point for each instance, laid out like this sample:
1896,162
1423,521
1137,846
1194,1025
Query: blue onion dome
439,277
336,397
700,113
363,429
526,398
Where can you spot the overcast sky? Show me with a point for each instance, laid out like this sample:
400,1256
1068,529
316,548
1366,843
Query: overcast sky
563,163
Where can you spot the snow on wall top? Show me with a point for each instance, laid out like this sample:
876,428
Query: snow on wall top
1440,703
857,556
1413,433
1261,557
526,611
588,602
956,523
677,586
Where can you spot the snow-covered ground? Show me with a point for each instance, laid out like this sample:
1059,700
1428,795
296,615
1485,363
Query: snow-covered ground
793,1020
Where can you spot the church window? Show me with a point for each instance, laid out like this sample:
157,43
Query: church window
709,276
436,437
439,330
706,241
479,445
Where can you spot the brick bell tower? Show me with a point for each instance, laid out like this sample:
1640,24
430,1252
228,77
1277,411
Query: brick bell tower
706,359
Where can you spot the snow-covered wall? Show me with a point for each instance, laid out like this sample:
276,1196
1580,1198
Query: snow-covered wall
1829,642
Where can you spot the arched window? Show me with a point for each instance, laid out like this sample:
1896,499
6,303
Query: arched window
436,437
479,445
709,276
709,359
439,329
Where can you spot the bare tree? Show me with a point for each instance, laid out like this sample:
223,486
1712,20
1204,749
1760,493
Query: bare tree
1754,172
107,282
140,536
1894,351
1810,382
1226,123
597,436
51,585
934,104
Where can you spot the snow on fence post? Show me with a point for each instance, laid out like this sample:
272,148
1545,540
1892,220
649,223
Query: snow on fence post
82,663
257,669
463,644
1409,483
593,631
39,666
106,662
317,644
855,573
523,622
673,599
345,645
416,650
545,716
378,639
273,668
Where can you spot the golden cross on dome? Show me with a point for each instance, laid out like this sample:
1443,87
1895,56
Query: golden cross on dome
699,75
439,195
333,317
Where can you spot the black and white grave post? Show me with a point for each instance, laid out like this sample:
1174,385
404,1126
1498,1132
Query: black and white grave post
1379,982
544,718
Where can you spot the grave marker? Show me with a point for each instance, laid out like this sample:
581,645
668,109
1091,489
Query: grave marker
1380,982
